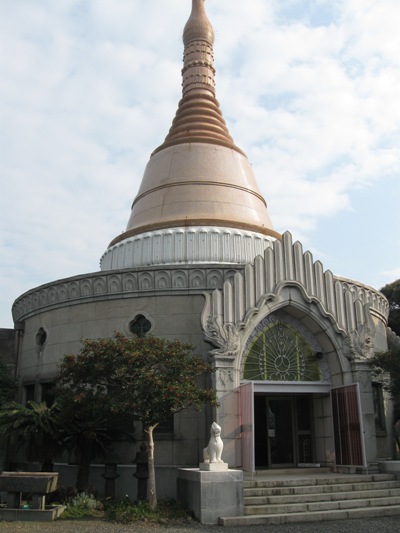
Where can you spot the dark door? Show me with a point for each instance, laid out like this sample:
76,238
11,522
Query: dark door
282,431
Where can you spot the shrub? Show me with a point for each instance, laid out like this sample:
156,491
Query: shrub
127,511
83,505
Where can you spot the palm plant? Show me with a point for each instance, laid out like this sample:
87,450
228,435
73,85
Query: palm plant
36,426
8,385
87,437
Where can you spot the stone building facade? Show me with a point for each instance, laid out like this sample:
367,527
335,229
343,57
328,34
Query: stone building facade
200,261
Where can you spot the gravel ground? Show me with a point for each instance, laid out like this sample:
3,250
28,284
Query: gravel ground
383,525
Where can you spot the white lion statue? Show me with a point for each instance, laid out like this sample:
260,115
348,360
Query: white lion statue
213,452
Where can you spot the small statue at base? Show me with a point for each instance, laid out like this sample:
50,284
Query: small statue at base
213,452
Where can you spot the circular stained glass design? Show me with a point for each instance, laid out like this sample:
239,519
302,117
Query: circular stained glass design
280,353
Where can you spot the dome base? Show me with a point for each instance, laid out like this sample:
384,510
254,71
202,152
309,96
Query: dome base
186,245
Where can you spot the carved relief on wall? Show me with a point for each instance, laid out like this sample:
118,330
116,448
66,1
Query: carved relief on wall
359,345
225,377
224,336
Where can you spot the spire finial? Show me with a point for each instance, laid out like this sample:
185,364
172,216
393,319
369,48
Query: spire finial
198,27
199,117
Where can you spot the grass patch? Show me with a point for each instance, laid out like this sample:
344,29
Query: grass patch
126,511
77,513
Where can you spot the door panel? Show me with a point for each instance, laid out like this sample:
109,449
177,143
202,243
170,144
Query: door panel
247,425
348,428
260,431
280,431
283,431
304,430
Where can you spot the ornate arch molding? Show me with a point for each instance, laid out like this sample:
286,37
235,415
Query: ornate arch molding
348,306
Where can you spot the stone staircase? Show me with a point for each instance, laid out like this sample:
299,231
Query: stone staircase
313,495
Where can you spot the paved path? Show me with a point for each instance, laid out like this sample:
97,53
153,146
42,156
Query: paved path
372,525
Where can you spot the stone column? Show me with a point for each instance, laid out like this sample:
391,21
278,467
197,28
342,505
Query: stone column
226,385
362,375
224,334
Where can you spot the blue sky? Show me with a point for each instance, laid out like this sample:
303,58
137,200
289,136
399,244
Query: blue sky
309,89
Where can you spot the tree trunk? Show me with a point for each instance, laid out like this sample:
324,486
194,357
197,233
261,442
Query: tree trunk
82,478
151,483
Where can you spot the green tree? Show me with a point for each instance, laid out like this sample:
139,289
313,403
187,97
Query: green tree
8,385
392,293
389,363
148,378
36,426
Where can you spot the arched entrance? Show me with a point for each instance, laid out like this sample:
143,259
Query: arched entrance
285,371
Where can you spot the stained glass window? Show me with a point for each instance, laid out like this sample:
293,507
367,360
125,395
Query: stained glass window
280,353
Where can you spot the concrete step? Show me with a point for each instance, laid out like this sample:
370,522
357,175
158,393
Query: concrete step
321,497
308,507
319,489
297,497
312,516
269,481
289,472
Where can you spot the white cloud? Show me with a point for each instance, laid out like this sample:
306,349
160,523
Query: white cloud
88,89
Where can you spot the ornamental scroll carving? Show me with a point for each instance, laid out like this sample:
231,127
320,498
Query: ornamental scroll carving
224,336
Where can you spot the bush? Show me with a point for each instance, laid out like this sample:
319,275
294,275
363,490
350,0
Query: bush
83,505
127,511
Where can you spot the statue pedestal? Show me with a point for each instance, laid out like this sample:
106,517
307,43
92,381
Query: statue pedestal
213,467
211,494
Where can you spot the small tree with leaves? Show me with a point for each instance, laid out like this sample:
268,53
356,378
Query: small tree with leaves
35,426
392,293
8,385
389,363
147,378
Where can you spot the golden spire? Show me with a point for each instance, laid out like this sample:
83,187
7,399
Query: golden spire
198,38
199,117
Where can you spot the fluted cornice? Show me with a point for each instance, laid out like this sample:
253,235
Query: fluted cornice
350,306
117,284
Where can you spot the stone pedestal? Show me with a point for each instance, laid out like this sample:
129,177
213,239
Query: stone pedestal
211,494
213,467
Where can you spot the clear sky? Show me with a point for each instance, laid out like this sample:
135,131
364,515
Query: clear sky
88,88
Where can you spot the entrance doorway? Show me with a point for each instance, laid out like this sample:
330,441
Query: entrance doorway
283,431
